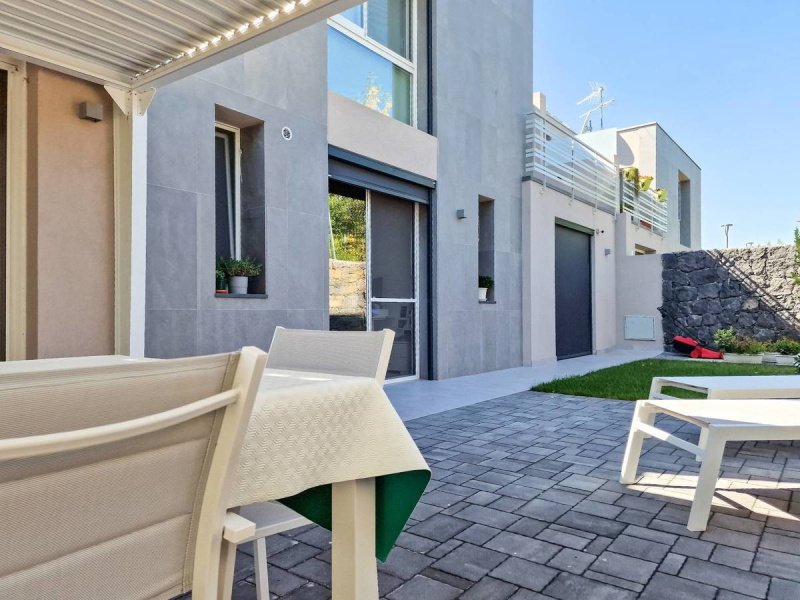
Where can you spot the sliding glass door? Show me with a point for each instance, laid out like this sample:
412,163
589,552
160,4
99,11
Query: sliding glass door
374,271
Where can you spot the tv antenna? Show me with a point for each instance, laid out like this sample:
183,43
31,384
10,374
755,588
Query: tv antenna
597,98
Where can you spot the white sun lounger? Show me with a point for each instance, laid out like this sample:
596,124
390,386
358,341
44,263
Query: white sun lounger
720,421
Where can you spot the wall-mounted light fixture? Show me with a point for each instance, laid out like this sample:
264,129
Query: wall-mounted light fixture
461,214
90,111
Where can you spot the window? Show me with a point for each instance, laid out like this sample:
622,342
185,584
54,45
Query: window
486,241
227,153
370,58
239,194
685,209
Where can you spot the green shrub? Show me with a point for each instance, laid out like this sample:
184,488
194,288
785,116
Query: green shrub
749,346
797,363
241,267
785,346
484,281
725,339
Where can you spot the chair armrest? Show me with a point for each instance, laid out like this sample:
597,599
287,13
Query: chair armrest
237,529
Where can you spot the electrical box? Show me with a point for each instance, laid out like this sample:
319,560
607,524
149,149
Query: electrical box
641,328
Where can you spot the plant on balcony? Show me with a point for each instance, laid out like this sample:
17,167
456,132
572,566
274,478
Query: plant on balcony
661,194
644,182
631,174
222,279
239,270
485,283
641,183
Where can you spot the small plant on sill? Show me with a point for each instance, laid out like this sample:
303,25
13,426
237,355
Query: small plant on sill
239,270
485,283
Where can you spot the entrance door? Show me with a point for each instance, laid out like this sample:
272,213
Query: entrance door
374,274
573,293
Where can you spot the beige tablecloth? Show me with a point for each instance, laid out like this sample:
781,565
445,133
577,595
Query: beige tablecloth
308,430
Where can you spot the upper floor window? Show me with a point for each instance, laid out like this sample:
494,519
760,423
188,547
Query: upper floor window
370,57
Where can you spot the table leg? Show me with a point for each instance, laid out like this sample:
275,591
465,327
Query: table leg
355,572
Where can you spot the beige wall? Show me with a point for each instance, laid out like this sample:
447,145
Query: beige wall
639,294
541,208
71,219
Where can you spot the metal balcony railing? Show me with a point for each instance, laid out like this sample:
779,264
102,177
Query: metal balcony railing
645,208
556,159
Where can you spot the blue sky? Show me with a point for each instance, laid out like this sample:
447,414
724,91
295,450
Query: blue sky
722,77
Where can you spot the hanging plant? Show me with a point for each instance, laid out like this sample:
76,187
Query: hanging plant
661,194
644,182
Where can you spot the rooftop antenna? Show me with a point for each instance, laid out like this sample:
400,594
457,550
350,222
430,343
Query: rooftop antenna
596,96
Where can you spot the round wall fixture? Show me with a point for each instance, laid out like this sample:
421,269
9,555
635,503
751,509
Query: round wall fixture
286,133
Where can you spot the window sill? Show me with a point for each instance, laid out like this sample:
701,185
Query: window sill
487,301
251,296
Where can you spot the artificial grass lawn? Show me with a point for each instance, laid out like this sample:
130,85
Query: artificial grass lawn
632,381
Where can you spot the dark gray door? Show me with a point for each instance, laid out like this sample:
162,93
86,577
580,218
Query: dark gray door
573,293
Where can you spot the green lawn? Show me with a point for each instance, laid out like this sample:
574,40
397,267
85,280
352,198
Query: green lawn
632,381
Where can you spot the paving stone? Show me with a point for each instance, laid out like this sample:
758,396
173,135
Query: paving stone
649,534
414,542
293,555
781,589
672,564
639,548
726,578
477,534
482,498
310,591
440,527
507,504
562,496
728,537
693,548
489,589
469,562
314,570
598,545
422,587
564,539
445,548
624,567
778,564
582,482
668,587
572,587
544,510
405,564
592,524
635,517
598,509
572,561
648,505
523,547
733,557
520,492
524,573
487,516
613,580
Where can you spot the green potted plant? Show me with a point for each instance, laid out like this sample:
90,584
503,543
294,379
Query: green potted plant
644,182
631,174
222,279
782,352
661,195
485,283
239,271
738,349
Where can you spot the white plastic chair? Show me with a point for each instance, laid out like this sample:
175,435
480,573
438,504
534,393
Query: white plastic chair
720,421
114,480
354,353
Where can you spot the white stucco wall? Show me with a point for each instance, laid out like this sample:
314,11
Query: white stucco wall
541,208
639,294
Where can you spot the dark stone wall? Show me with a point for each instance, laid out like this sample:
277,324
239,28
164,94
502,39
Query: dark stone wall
750,289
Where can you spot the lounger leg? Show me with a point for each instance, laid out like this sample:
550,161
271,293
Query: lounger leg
262,571
706,483
355,573
702,443
630,461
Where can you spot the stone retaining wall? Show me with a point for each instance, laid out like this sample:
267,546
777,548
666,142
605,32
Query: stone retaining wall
750,289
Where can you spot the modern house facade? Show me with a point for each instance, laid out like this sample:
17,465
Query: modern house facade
376,158
370,150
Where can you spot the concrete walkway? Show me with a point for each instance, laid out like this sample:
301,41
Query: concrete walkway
421,398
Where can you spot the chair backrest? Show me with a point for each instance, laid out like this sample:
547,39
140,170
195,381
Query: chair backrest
114,479
358,353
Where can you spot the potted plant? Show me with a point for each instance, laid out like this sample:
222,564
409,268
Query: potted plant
631,174
239,270
661,195
222,279
782,352
485,283
644,182
738,349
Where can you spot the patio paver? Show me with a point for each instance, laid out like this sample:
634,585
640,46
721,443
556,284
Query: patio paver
548,519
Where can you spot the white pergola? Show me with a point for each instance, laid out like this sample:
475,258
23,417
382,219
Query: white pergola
131,47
